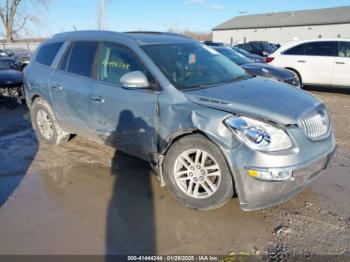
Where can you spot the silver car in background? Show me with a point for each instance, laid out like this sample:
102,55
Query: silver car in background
208,129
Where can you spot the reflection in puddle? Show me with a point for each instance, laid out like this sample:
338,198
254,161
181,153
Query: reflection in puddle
140,217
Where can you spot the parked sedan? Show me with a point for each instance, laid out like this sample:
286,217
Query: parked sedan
11,80
22,56
261,48
317,62
259,69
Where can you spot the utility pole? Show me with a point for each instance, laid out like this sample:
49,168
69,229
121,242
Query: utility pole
101,15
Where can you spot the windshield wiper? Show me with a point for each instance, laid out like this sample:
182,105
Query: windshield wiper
208,85
235,79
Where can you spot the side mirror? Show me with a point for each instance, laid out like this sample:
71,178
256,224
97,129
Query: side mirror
135,79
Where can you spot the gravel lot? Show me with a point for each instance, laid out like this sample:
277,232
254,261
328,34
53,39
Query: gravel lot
84,198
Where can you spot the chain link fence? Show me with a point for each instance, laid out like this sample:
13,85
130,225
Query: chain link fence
29,46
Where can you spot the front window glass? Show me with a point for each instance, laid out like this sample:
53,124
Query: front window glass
114,62
193,65
322,49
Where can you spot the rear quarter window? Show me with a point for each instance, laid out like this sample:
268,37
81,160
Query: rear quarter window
47,53
296,50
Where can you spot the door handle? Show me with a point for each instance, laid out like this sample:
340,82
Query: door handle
57,87
301,61
97,99
340,63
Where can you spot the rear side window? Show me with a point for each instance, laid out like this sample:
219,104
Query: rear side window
322,49
79,58
296,50
344,49
47,53
114,62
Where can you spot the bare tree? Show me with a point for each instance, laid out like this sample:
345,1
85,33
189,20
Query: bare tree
199,36
12,21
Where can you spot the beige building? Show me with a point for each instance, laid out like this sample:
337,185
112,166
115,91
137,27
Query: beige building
285,26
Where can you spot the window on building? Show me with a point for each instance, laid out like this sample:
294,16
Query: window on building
322,49
79,58
344,49
47,53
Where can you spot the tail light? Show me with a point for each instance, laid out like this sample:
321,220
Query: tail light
269,59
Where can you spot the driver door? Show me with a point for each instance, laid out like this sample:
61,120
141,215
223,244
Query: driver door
123,118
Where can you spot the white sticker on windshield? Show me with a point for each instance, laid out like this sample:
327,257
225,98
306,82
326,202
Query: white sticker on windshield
211,50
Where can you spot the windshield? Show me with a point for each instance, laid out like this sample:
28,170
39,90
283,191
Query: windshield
5,65
234,56
242,51
193,65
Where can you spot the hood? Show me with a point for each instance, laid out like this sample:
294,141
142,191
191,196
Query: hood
257,97
265,70
10,77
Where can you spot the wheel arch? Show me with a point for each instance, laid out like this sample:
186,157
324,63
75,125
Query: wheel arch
179,134
297,72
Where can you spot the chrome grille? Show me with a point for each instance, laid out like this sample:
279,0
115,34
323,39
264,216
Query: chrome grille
315,124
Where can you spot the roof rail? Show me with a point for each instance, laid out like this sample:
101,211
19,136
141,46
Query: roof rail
157,33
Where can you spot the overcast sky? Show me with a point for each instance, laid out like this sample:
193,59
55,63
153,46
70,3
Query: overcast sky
159,15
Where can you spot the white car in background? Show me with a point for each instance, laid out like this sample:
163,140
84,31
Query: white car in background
317,62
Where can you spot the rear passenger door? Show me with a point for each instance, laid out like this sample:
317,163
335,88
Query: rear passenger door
341,72
37,74
293,58
71,87
123,118
316,67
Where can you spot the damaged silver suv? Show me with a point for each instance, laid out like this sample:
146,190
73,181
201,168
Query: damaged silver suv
209,130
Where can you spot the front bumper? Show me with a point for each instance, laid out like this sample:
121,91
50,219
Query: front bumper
258,194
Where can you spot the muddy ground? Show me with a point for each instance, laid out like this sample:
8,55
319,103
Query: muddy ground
85,198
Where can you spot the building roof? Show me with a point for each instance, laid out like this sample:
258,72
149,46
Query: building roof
336,15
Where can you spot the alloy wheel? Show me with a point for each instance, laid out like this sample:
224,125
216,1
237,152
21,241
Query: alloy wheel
197,173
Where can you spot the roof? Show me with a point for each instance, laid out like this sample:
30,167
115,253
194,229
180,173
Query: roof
298,42
336,15
139,37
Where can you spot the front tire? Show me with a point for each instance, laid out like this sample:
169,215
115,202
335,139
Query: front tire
45,124
197,174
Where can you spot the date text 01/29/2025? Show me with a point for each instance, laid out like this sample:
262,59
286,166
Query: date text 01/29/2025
173,258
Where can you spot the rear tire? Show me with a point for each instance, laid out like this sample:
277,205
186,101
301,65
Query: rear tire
197,174
45,124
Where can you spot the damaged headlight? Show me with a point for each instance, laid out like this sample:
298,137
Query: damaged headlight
259,135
